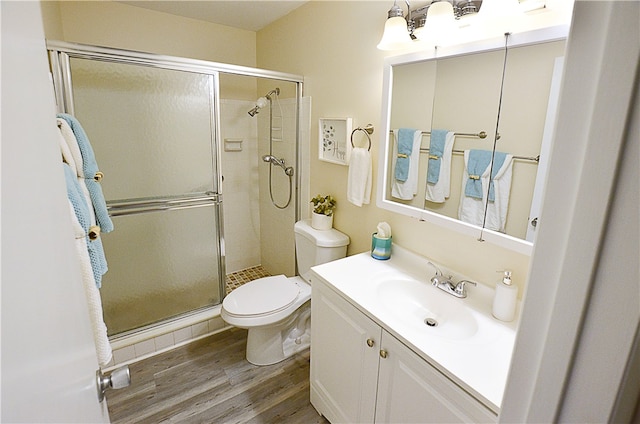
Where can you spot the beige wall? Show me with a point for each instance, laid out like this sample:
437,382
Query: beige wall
333,44
113,24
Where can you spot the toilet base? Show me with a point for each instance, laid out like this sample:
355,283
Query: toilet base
273,344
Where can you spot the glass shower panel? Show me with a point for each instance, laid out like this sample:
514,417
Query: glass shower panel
148,126
160,266
152,133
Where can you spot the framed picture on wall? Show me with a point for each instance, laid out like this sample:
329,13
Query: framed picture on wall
333,139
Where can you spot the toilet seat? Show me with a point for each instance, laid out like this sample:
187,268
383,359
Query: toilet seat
265,296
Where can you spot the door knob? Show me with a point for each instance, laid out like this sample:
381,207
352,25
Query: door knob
383,354
370,342
118,379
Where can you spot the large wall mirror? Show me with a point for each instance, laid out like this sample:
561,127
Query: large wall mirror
459,108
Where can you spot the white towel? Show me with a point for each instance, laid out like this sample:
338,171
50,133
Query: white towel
471,210
440,191
359,177
67,156
72,144
408,189
98,327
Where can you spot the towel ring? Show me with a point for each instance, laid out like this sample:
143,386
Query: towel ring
367,130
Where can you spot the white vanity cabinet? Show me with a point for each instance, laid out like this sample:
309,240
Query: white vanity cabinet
360,373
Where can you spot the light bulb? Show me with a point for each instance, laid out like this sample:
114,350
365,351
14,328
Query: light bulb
395,36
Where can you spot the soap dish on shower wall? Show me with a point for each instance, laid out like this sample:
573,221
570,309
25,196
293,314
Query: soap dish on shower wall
233,144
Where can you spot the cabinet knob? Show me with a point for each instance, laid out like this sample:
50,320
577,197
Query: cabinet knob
383,353
370,342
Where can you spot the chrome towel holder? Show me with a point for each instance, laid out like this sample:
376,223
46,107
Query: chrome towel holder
368,129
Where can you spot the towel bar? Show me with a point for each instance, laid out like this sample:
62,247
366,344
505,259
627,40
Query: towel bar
481,134
136,206
528,158
367,130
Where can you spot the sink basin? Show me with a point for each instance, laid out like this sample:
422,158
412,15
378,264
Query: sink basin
427,309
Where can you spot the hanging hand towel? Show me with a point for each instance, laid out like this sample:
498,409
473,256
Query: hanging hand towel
472,208
94,247
476,162
499,206
359,177
404,153
90,171
71,154
438,192
406,190
98,327
436,150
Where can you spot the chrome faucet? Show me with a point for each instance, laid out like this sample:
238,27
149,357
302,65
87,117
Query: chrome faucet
460,289
446,284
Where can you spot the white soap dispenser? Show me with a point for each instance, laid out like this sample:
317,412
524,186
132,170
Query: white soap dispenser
505,298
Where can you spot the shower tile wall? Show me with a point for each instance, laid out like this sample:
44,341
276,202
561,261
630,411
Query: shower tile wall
256,232
277,237
240,186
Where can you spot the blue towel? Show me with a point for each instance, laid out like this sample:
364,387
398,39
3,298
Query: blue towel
90,168
476,165
94,247
436,150
405,147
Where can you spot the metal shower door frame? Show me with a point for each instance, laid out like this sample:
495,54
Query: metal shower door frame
60,54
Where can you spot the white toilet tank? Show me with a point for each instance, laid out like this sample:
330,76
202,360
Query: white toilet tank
315,247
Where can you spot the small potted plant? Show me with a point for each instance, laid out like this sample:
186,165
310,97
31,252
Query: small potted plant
322,216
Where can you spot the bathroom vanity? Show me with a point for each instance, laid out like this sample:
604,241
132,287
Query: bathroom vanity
387,346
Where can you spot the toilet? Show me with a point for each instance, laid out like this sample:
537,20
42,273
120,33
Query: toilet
277,310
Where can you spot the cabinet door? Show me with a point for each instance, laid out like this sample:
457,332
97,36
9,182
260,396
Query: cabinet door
344,366
412,391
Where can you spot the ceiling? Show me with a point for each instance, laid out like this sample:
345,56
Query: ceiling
250,15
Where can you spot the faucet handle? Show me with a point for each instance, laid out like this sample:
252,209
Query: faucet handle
460,288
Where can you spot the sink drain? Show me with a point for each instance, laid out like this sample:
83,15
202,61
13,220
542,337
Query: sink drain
431,322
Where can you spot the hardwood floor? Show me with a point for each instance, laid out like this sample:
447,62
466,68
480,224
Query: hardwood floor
210,381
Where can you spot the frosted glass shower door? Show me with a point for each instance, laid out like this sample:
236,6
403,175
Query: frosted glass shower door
152,131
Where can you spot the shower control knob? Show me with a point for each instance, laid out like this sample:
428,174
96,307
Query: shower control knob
118,379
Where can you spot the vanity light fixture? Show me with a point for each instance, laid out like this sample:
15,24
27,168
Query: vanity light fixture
438,17
435,23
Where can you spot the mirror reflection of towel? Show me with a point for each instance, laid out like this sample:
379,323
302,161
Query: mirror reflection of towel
478,162
406,190
439,191
403,157
436,150
472,209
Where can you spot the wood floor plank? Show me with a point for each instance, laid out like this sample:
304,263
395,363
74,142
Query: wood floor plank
210,381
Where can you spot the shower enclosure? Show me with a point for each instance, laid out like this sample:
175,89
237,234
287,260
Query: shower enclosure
171,135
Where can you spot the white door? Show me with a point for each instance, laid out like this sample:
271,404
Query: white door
48,355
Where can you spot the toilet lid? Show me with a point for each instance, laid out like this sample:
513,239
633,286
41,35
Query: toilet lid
262,296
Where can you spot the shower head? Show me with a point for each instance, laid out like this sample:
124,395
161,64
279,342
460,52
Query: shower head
263,101
275,91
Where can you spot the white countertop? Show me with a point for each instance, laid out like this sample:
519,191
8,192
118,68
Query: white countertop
478,363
